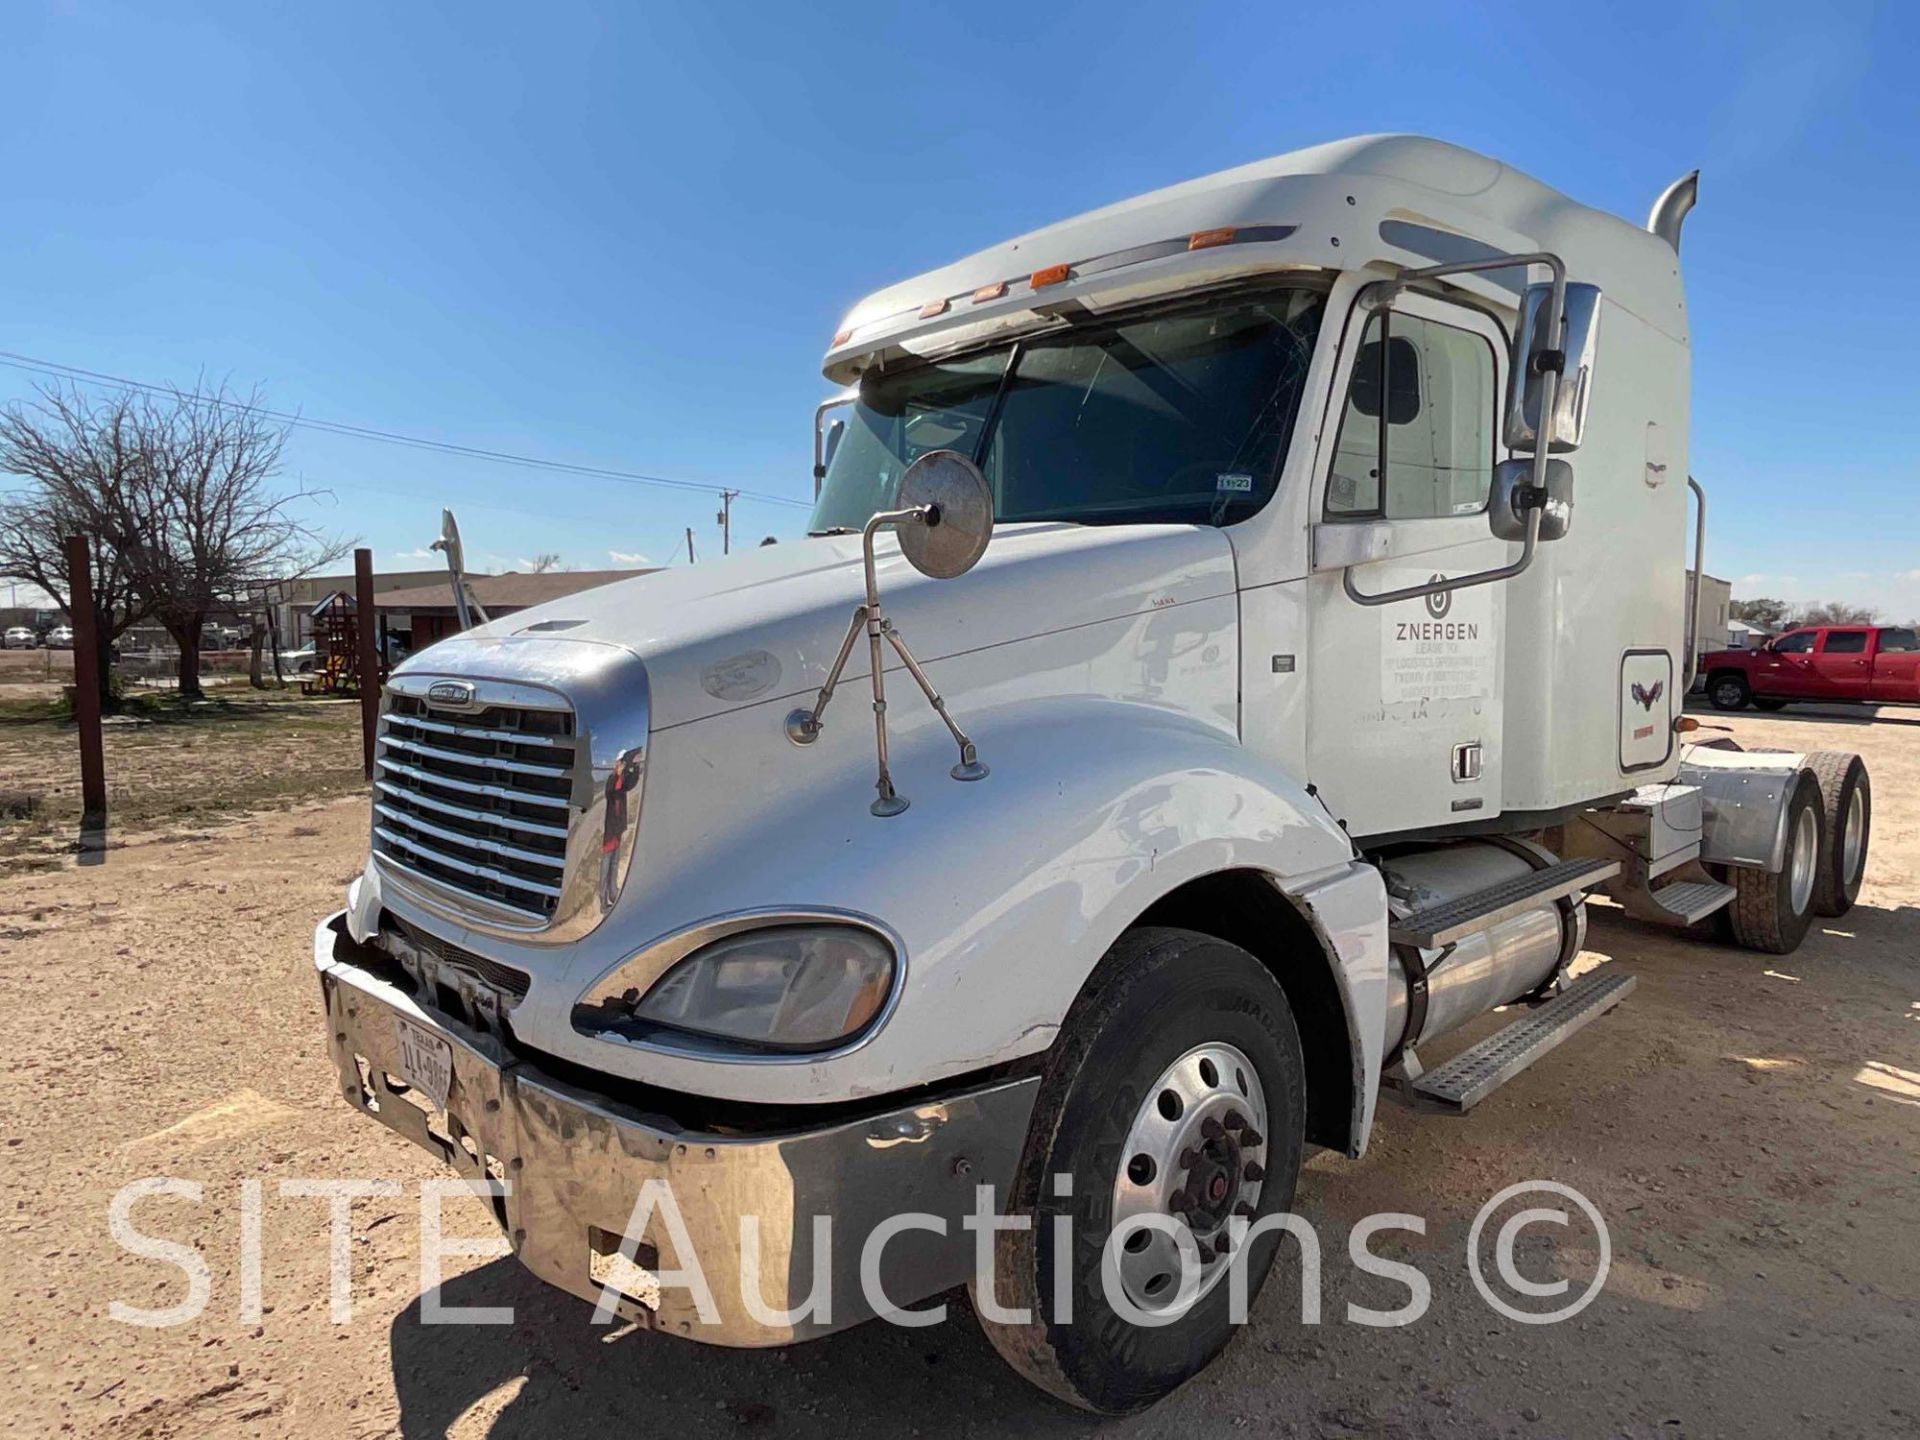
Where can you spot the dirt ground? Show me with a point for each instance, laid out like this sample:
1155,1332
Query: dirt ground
1748,1126
171,765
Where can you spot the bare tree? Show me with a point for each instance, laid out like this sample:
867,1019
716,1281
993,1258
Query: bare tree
82,460
1835,612
545,561
218,526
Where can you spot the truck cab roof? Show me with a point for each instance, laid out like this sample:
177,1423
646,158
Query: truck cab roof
1396,200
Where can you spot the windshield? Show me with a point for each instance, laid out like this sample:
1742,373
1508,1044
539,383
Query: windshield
1174,417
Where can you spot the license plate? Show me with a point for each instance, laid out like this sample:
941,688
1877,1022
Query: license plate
426,1060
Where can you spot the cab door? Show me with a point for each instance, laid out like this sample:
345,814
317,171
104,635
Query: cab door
1787,667
1843,665
1404,700
1896,665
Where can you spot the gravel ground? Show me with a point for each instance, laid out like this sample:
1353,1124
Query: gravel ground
1748,1126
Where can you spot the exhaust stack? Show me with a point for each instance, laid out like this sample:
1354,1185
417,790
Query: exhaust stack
1669,212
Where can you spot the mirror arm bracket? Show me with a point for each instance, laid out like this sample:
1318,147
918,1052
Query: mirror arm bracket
1548,361
803,726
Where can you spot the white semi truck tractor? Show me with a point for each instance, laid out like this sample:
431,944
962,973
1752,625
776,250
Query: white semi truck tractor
1241,626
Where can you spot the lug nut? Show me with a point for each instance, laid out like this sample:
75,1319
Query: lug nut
1255,1172
1222,1243
1243,1210
1206,1253
1235,1119
1210,1128
1189,1158
1252,1138
1177,1200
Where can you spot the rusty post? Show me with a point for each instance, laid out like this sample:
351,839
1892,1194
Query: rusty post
86,687
368,630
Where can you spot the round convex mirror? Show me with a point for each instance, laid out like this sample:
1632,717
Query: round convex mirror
955,534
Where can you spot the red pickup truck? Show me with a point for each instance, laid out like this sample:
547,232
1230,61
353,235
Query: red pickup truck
1869,664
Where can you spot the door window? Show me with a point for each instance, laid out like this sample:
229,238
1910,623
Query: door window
1798,643
1433,385
1898,638
1846,642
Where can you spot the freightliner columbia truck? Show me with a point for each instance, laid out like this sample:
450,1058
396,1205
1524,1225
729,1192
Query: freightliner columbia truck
1326,656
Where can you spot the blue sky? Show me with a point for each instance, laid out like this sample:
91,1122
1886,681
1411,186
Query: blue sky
621,235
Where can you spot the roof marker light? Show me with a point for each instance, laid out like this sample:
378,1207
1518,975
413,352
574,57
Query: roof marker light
990,292
842,336
1207,239
933,308
1052,275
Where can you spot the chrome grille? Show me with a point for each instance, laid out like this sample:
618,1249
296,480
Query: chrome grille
478,801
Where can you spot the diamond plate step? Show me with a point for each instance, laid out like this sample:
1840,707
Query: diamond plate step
1474,1074
1464,915
1689,902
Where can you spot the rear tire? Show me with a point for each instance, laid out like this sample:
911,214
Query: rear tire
1773,912
1769,705
1729,691
1158,996
1847,817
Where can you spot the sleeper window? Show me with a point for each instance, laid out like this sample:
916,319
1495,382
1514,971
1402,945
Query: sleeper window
1439,408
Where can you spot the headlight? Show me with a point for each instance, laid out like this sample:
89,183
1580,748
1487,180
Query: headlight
785,987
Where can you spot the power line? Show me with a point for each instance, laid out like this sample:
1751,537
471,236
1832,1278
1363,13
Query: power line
54,369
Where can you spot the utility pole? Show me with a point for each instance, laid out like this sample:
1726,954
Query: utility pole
86,700
689,544
725,517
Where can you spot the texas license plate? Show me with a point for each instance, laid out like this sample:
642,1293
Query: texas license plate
426,1060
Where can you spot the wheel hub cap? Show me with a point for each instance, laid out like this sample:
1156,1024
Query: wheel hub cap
1192,1161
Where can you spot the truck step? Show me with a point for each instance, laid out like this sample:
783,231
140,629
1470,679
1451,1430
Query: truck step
1464,915
1476,1073
1686,903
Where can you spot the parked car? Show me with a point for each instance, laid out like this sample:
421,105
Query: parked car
299,662
19,637
1866,664
60,638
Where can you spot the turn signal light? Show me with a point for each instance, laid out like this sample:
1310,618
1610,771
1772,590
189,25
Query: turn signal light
1207,239
1052,275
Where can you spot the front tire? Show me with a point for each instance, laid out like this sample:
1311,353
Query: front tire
1176,1050
1773,912
1729,691
1847,823
1768,705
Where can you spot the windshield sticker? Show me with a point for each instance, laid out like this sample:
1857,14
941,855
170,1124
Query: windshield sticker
1233,481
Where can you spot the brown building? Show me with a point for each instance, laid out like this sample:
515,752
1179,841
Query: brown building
427,613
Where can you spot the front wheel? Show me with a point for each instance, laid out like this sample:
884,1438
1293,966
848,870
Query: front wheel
1729,691
1768,705
1173,1105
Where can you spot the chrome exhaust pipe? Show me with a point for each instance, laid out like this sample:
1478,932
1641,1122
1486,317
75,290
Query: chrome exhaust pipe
1669,212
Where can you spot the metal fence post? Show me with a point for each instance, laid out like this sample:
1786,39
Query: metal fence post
368,631
86,689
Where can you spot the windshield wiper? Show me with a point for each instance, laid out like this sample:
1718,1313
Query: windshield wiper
832,530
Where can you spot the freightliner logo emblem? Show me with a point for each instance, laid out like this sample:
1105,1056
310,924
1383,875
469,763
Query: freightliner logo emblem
451,692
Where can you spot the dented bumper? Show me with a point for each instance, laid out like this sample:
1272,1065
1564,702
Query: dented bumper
570,1165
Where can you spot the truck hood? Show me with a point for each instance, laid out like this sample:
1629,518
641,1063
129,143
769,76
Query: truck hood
765,625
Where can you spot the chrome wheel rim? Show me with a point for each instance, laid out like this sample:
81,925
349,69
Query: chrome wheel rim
1727,693
1853,837
1192,1162
1806,841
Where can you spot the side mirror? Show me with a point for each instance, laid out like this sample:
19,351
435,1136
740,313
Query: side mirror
951,534
1525,380
1513,495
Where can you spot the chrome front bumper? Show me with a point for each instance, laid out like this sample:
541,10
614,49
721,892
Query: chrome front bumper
572,1163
